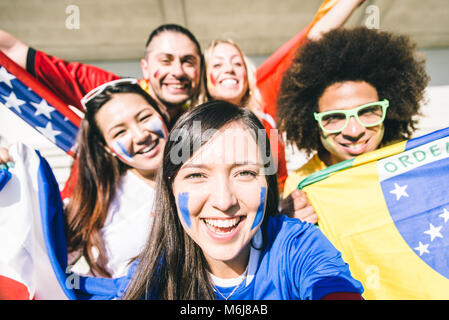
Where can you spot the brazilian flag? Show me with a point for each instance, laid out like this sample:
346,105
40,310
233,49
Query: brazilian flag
387,211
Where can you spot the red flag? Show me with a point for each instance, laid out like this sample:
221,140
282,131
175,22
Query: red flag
270,72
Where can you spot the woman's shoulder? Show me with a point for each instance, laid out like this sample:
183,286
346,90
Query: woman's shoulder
281,228
307,258
296,237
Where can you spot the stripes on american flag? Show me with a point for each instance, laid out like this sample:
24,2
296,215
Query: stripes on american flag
37,106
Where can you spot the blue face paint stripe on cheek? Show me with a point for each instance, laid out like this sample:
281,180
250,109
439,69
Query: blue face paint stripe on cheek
158,127
260,209
183,205
121,151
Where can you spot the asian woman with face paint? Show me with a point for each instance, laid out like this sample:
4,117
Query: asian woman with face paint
120,147
108,218
217,233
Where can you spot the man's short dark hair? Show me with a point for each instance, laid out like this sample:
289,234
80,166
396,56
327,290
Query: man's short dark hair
173,28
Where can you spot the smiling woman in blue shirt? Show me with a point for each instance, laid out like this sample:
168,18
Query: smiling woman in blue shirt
217,233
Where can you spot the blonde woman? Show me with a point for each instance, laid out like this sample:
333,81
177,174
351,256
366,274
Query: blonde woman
231,76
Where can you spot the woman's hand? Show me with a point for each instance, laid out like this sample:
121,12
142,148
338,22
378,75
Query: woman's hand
5,163
296,205
5,159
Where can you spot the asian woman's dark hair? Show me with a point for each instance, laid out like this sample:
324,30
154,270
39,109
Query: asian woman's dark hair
172,265
98,174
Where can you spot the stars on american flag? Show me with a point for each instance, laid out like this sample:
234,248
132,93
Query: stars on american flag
43,108
13,102
35,110
48,132
6,77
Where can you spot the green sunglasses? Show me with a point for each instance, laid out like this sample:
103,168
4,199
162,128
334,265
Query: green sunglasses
367,115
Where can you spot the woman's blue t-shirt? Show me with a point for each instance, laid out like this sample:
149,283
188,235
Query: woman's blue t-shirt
297,262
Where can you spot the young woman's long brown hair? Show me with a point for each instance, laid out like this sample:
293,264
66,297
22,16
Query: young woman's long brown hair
98,174
172,265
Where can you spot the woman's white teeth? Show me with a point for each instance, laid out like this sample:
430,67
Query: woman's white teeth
177,86
149,148
223,223
229,82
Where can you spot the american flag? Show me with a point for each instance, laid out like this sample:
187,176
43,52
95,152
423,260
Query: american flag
33,264
35,104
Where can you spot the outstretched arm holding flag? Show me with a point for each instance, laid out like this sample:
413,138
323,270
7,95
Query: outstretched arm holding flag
332,14
15,49
69,81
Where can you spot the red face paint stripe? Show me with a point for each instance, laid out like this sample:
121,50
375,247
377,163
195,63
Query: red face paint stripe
212,79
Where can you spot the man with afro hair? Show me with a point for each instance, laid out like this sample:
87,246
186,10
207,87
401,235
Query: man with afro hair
348,93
